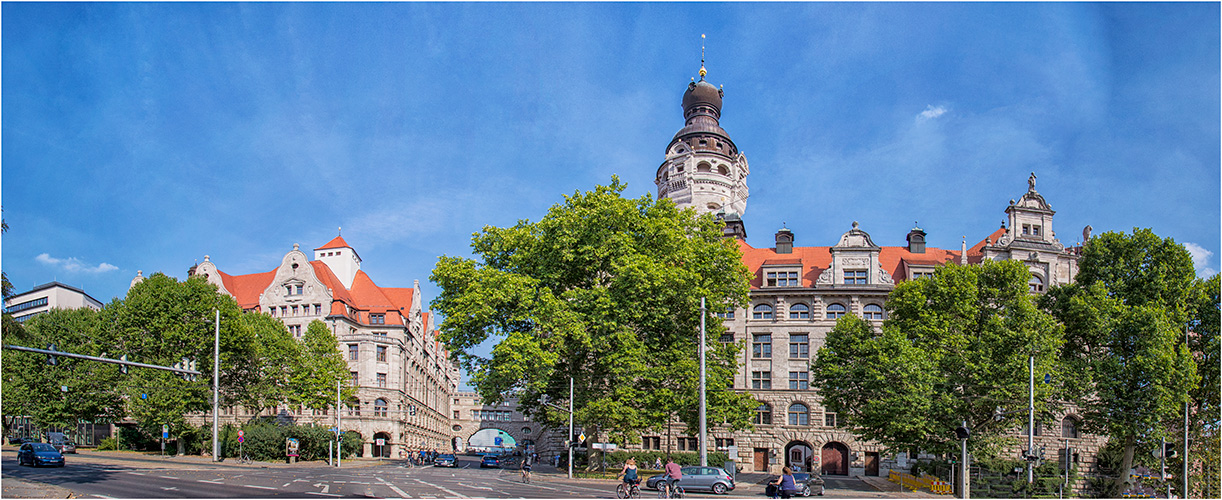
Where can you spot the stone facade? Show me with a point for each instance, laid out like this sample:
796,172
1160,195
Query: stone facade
798,293
403,375
474,423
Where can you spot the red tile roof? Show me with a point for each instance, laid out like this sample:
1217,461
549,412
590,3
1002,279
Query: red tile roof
246,288
814,260
338,242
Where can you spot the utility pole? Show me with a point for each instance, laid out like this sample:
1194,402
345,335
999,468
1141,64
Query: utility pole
571,427
216,384
338,436
1031,420
704,443
1184,492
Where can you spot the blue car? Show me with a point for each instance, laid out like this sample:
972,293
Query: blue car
490,461
37,454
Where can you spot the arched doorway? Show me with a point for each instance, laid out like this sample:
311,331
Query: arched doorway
492,441
383,449
835,459
799,456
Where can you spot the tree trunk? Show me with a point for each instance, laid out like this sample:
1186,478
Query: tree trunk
1126,464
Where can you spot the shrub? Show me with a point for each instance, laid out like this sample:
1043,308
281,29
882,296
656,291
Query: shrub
108,443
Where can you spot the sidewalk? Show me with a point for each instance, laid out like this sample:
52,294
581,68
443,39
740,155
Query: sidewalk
20,488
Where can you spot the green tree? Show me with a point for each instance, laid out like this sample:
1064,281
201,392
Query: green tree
161,321
268,380
71,391
318,366
605,290
954,348
1124,323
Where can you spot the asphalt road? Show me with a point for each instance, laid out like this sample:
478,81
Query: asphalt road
127,475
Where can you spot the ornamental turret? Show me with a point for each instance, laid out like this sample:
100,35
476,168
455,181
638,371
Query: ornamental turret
704,168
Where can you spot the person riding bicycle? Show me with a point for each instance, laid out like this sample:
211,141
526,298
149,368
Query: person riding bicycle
629,473
527,462
673,475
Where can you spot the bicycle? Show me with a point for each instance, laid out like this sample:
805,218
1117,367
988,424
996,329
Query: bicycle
245,459
664,490
633,491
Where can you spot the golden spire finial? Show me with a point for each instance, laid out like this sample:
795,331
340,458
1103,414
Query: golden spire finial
702,70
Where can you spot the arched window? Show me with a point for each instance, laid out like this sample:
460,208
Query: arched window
835,311
721,169
1069,427
1036,284
379,407
704,167
799,414
762,311
763,414
872,311
799,311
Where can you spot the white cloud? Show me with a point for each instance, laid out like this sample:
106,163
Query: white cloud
1200,259
931,112
73,264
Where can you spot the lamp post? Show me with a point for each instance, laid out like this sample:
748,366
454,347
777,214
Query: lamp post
704,445
216,383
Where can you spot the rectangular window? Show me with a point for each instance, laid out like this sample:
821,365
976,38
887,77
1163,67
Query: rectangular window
688,444
916,275
829,420
727,338
799,346
294,309
1026,228
855,277
354,352
722,443
381,380
380,334
727,314
41,301
1035,230
356,379
799,380
284,310
783,278
761,380
761,346
272,311
318,309
382,353
456,417
651,442
295,330
377,319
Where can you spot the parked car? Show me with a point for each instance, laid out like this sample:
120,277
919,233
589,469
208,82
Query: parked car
15,440
37,454
490,461
808,484
64,446
711,479
446,460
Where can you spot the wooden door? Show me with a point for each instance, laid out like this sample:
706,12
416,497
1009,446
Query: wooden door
835,459
761,460
871,463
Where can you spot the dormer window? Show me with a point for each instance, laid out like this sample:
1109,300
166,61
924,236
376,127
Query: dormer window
1031,229
854,277
294,289
377,319
782,278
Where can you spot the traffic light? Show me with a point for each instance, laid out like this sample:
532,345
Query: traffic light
51,359
123,367
1169,450
962,432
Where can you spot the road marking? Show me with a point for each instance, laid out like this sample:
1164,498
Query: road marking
285,485
169,488
442,488
137,473
325,487
392,487
167,477
321,494
257,486
210,482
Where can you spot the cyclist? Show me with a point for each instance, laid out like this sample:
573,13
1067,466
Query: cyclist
527,462
631,479
673,475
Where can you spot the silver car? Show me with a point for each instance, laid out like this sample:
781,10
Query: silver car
711,479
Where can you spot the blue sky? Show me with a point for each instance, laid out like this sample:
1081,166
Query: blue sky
145,136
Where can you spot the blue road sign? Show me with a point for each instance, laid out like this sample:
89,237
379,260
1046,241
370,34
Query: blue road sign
1047,378
144,395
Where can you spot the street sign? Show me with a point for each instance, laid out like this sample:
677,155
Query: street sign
144,395
1047,378
165,431
241,434
581,438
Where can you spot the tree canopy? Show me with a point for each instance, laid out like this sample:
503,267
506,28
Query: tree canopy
605,290
953,348
1125,319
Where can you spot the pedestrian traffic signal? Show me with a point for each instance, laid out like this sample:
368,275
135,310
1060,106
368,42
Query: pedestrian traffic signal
51,359
123,367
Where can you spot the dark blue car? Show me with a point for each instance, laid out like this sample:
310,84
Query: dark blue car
490,461
37,454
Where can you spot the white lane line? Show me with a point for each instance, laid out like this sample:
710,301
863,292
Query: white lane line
536,485
285,485
321,494
207,481
138,473
442,488
168,477
257,486
392,487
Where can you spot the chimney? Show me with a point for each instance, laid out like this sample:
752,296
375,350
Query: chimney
784,240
